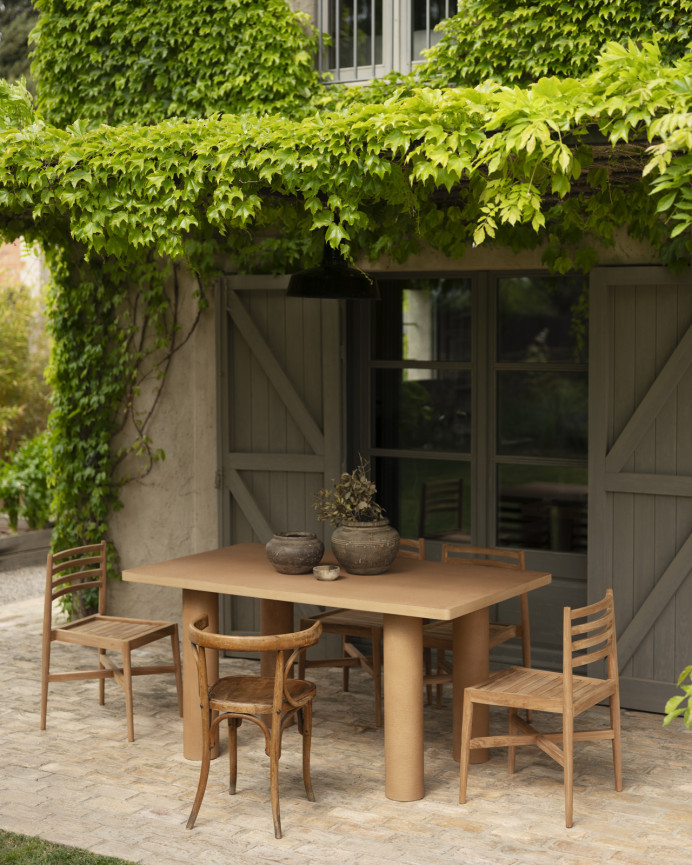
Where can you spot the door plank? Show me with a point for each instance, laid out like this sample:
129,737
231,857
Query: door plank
650,406
274,372
645,617
248,505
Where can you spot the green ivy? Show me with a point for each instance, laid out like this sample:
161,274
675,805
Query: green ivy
24,485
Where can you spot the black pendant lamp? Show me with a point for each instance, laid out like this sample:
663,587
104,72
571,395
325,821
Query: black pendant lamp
334,278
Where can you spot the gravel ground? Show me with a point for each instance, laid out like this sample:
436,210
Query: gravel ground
22,583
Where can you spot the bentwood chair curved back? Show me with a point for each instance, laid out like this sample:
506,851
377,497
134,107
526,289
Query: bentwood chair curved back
588,637
438,635
359,624
83,569
269,702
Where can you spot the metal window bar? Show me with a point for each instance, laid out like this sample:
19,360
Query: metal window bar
334,27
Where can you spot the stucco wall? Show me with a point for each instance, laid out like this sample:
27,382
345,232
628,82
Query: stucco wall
173,511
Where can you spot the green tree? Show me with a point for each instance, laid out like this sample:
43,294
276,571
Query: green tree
17,19
24,393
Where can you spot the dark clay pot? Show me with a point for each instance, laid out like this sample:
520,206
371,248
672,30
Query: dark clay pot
365,548
294,552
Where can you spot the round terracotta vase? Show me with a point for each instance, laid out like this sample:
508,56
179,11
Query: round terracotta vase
365,548
294,552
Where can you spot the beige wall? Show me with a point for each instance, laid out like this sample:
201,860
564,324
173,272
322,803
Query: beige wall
173,511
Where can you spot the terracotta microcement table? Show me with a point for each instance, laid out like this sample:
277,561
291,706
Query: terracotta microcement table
409,592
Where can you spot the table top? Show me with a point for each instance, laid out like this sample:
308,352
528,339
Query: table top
410,587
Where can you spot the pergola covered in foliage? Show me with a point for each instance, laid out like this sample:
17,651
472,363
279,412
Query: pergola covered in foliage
149,147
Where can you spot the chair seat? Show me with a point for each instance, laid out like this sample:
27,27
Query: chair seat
254,695
542,690
111,632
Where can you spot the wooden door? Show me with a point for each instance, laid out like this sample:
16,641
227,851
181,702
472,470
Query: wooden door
280,416
640,472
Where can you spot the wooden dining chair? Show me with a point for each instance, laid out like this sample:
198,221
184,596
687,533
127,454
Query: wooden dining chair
350,624
269,702
438,635
588,636
83,569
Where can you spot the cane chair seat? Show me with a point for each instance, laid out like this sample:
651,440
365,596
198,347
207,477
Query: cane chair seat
267,701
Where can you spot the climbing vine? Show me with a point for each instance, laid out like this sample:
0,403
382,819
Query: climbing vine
262,166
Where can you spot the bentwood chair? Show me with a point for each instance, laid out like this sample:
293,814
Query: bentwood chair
588,636
269,702
350,624
438,635
83,569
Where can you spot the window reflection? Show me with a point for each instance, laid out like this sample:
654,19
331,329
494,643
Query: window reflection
542,414
542,507
426,498
541,320
424,320
422,409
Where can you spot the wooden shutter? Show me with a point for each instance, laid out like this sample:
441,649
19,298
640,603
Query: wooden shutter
640,472
280,415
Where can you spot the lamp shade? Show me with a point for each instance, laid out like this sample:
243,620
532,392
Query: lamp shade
334,278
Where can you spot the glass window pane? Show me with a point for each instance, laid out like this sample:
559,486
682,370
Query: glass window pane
424,319
422,26
542,507
426,498
541,319
340,28
422,409
542,414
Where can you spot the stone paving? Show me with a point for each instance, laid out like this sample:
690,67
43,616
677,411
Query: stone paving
81,783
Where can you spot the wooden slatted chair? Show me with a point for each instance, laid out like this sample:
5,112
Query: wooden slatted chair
588,636
83,569
350,624
269,702
438,635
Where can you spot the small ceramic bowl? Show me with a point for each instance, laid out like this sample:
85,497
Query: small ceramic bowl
326,572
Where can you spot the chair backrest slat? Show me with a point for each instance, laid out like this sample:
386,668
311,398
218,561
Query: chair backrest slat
76,570
412,549
591,640
462,554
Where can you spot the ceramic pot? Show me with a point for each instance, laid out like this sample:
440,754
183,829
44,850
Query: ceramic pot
294,552
365,548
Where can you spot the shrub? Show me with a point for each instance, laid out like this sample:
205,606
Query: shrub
24,486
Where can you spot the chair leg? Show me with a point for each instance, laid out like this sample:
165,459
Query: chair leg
568,751
466,721
617,745
207,746
377,674
233,724
274,754
427,667
45,668
305,726
175,646
102,682
511,749
127,687
345,668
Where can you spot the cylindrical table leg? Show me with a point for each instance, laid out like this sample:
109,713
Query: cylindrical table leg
470,666
195,605
403,708
276,617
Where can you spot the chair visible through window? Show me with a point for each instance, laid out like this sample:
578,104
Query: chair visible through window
83,569
438,635
588,637
269,702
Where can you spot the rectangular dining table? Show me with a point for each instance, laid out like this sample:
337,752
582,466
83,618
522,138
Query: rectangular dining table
409,592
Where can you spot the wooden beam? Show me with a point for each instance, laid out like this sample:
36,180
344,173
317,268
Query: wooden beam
648,484
649,408
659,597
282,462
248,506
274,372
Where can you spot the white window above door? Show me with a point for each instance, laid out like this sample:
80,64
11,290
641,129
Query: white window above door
390,35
